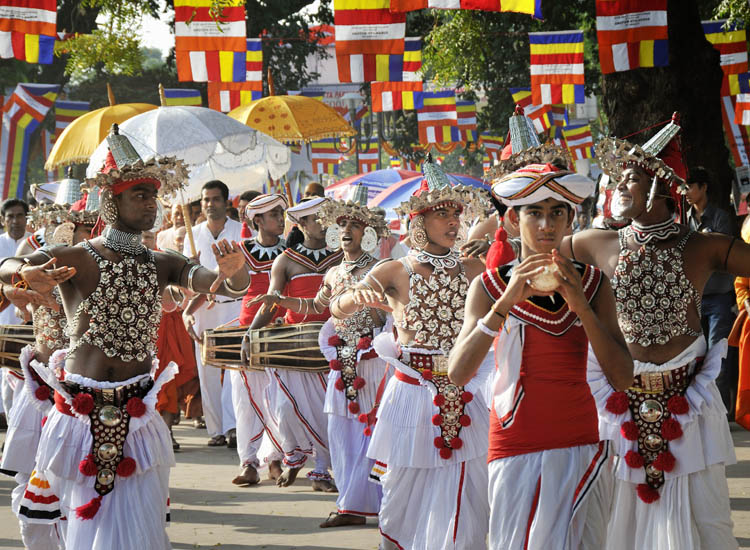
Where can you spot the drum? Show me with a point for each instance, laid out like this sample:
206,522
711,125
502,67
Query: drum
13,338
293,347
221,347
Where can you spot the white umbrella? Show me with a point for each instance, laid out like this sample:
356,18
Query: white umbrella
213,145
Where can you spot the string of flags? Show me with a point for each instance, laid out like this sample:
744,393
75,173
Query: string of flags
28,30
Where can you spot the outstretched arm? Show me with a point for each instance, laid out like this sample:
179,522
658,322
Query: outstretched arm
231,279
278,283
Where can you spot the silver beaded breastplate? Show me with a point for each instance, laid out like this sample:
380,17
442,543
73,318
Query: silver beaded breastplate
50,326
124,309
435,309
652,293
361,323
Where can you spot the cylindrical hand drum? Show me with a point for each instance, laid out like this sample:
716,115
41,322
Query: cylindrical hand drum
293,347
13,338
221,347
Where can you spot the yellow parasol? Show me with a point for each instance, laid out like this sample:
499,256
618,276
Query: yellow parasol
293,118
81,137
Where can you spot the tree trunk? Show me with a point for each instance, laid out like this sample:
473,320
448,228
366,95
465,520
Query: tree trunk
691,85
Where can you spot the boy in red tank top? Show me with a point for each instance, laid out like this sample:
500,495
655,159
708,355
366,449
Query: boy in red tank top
545,457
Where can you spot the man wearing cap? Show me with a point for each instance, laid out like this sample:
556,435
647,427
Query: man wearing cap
104,454
430,440
669,428
265,215
297,398
545,458
199,315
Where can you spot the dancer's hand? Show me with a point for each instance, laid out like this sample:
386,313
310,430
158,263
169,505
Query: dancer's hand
475,248
189,321
245,348
22,298
369,297
571,287
45,277
230,260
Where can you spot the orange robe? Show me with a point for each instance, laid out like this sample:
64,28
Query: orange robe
174,344
742,409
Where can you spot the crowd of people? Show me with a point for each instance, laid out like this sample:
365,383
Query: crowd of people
491,379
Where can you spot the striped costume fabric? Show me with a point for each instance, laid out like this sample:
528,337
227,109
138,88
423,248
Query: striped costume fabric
182,96
731,42
27,30
22,113
437,117
556,67
369,41
530,7
206,50
631,34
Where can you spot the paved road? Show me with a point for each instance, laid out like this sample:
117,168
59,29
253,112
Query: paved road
209,512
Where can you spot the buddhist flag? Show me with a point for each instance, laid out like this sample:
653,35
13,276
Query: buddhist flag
182,96
737,135
207,50
412,59
27,30
742,101
631,34
530,7
486,162
731,42
466,122
368,160
411,165
66,112
579,141
493,145
225,96
254,63
324,156
396,96
395,162
557,136
539,114
558,115
22,113
437,117
556,67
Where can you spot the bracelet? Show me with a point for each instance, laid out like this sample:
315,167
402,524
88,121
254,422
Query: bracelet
300,305
192,271
2,294
496,312
382,288
487,330
237,291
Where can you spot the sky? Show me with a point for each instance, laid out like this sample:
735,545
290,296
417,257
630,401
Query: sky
156,33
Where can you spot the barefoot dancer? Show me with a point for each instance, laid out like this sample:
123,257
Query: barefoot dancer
356,371
297,398
113,485
432,434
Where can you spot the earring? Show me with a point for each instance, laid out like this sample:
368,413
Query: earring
369,239
418,233
333,237
108,210
64,234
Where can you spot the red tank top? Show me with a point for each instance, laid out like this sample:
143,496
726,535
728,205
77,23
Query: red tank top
557,410
305,286
259,283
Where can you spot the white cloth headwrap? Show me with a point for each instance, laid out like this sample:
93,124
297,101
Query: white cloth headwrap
264,203
537,182
295,213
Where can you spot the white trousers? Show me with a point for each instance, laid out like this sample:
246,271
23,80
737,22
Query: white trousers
557,499
216,398
249,389
692,513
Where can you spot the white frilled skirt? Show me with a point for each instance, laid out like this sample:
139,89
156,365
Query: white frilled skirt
133,515
692,512
558,499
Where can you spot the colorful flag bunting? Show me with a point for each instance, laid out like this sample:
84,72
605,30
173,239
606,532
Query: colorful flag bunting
732,46
412,59
486,162
324,156
539,114
437,117
66,112
493,145
182,96
737,135
396,96
370,67
579,141
225,96
466,129
48,139
22,113
254,63
368,161
395,162
558,115
556,67
27,30
412,165
631,34
530,7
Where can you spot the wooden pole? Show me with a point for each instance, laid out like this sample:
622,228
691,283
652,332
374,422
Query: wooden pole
162,98
288,189
188,224
110,95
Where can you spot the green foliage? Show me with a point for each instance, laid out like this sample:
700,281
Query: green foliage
737,11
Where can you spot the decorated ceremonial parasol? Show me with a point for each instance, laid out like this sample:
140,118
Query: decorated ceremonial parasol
375,182
293,119
399,192
81,137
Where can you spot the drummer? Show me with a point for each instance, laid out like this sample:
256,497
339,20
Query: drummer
265,215
297,398
33,404
356,371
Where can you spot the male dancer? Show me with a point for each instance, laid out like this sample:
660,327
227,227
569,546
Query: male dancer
297,398
431,433
670,427
264,214
356,371
545,458
104,451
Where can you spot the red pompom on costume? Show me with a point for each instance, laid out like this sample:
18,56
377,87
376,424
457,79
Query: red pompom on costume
353,407
617,403
135,407
629,430
671,429
664,461
335,364
339,384
335,341
364,343
500,252
89,510
126,467
87,466
647,493
633,459
42,393
677,404
83,403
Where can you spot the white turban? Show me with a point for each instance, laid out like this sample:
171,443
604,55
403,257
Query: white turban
537,182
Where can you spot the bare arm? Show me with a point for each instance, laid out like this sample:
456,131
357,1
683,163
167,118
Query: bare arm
279,280
370,292
316,305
